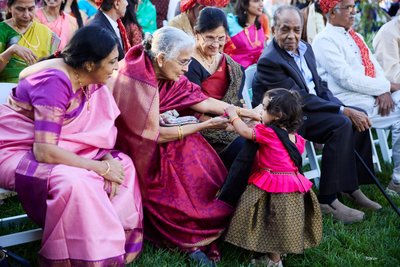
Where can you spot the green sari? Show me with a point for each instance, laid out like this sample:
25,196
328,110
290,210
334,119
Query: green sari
38,38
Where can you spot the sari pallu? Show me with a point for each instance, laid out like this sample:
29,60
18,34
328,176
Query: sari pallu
245,45
180,178
82,226
38,38
64,26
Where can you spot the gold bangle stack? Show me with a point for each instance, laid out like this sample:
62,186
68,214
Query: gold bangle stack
108,168
180,133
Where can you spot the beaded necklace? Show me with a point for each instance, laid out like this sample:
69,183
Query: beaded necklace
256,42
34,47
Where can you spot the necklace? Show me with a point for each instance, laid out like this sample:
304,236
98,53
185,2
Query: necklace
256,41
48,17
34,47
209,65
85,90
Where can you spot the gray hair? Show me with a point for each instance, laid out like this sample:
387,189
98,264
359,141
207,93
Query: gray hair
328,15
282,8
169,41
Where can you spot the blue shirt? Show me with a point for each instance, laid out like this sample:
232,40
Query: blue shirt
302,64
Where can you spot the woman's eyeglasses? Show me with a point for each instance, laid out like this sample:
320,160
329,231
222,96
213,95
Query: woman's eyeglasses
211,40
183,63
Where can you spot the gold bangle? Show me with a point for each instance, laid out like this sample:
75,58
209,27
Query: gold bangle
108,168
180,133
3,60
232,120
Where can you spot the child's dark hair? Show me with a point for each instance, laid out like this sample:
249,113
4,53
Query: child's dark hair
287,106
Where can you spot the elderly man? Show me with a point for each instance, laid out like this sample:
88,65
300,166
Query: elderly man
190,11
109,17
355,77
289,63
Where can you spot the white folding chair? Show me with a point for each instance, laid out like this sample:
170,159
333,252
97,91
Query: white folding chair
5,90
311,158
383,135
247,92
19,237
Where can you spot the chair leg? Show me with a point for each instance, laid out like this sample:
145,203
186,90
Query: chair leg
375,158
315,171
383,144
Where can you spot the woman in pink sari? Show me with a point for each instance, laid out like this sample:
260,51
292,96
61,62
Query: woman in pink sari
247,37
180,173
53,16
57,138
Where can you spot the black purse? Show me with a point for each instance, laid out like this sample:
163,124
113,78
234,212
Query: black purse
10,259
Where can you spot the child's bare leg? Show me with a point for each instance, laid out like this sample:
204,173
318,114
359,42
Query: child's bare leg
274,257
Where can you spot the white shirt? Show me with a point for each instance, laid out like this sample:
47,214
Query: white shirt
387,49
339,63
114,24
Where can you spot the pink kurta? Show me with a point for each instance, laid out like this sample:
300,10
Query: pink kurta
82,225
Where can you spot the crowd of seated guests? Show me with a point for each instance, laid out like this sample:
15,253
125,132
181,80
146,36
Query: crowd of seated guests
163,97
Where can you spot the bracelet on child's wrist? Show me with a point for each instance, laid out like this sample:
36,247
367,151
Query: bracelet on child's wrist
235,118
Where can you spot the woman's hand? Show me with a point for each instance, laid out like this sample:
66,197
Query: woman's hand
217,123
25,53
112,188
113,171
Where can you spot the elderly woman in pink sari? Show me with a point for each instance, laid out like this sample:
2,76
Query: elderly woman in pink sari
180,173
57,138
53,16
247,37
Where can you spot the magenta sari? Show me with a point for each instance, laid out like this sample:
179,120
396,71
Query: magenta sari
180,178
82,225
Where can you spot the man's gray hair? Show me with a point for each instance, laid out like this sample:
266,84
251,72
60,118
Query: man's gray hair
282,8
169,41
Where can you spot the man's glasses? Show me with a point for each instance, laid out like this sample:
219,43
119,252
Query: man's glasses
349,8
211,40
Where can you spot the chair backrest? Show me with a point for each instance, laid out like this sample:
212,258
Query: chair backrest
5,90
247,92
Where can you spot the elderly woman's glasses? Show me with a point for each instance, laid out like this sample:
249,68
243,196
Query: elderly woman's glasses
211,40
183,63
349,8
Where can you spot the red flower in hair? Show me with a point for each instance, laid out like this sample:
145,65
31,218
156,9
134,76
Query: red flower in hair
57,53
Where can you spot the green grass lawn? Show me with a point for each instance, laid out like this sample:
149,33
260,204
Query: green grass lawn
373,242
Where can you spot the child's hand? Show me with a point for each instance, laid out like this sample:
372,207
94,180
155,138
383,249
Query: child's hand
231,111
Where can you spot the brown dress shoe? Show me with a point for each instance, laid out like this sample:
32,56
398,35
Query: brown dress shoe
362,200
341,212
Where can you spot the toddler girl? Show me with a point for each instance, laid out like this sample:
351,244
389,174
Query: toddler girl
278,213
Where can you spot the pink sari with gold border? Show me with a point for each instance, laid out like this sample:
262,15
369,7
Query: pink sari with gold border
82,225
